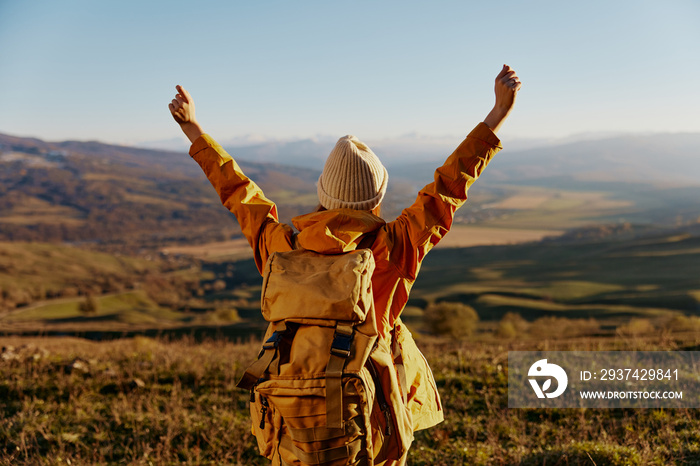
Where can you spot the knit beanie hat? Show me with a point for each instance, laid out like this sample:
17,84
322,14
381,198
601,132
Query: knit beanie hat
353,177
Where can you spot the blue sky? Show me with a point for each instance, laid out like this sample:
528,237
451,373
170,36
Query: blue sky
106,70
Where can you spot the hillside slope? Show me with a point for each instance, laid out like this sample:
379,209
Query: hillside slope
115,195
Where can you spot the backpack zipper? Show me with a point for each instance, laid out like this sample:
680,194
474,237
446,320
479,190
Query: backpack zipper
263,401
263,411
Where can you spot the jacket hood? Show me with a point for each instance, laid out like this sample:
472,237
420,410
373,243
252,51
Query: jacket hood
335,231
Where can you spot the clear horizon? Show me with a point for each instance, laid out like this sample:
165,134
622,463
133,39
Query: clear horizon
81,70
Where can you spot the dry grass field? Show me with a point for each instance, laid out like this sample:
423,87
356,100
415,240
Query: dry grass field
142,401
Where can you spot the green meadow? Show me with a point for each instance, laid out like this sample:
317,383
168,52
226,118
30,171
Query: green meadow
653,276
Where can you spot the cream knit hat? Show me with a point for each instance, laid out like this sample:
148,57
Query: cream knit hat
352,178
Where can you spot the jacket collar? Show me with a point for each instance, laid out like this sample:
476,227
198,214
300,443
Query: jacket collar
335,231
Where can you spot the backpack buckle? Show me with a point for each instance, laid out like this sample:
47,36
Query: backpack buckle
274,341
341,343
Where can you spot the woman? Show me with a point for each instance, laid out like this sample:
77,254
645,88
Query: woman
350,191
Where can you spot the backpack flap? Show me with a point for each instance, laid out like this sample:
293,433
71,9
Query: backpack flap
302,284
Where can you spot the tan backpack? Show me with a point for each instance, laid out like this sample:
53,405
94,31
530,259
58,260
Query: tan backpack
324,389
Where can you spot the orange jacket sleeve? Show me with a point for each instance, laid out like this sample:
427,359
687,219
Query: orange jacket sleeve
422,225
256,214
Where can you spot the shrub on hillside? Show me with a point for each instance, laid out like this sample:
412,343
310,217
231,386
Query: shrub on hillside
512,325
506,330
636,327
454,320
682,323
90,306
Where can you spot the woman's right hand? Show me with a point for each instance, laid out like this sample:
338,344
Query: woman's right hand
507,86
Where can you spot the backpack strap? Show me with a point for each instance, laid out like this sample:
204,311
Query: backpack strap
320,434
267,354
295,241
368,240
340,351
346,451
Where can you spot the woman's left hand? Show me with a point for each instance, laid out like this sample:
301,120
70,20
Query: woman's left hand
182,106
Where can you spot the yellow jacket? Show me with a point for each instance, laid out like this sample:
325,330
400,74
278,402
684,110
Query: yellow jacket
399,246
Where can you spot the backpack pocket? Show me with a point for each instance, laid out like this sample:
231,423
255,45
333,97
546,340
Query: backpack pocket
265,424
304,437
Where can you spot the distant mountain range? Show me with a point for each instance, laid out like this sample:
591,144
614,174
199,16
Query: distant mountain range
657,158
90,191
654,158
613,157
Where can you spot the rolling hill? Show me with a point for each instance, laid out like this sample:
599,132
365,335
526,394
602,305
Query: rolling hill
117,195
113,195
630,249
